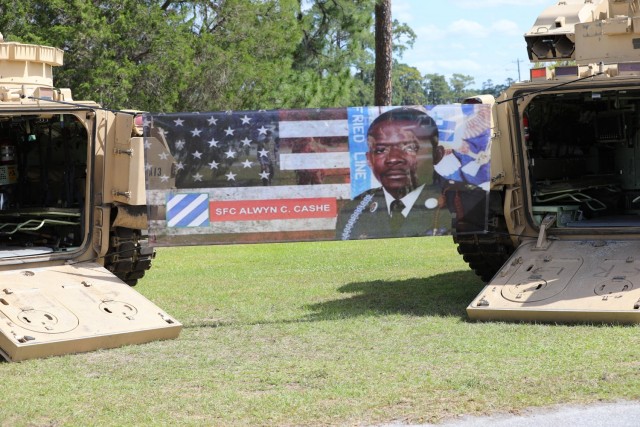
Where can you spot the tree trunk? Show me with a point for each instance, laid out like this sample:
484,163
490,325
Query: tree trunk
384,60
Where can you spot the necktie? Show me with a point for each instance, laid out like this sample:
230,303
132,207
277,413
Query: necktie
396,215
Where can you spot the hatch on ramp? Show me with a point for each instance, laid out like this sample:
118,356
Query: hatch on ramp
565,281
74,308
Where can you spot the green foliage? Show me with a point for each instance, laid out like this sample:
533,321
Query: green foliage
109,56
437,89
489,88
440,91
242,55
408,86
336,34
336,53
311,90
404,37
164,55
459,84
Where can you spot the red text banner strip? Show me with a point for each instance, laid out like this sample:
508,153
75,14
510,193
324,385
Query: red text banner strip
256,210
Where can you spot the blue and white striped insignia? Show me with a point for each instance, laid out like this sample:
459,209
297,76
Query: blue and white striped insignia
188,210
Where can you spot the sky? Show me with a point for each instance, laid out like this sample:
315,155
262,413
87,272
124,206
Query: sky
480,38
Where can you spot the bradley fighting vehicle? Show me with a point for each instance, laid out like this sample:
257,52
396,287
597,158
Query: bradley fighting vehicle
72,211
564,209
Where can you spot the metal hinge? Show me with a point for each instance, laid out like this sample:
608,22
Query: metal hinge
128,152
126,194
498,177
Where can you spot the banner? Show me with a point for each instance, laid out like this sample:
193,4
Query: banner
315,174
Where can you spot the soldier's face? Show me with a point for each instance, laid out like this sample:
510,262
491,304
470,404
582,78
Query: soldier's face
395,156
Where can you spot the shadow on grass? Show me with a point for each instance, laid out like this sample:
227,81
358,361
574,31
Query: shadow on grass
445,294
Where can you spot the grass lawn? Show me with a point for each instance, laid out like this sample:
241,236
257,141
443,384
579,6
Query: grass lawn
331,333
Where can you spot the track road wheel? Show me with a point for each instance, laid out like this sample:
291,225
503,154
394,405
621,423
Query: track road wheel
486,252
127,258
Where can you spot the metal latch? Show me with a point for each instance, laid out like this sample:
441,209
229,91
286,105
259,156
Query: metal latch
498,177
126,194
546,223
128,152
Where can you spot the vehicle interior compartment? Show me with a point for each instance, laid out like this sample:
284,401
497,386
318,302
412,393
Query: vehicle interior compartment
43,167
583,152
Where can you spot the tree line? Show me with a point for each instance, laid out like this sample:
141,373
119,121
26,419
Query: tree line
208,55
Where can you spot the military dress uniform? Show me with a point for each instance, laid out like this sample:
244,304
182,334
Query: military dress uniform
367,217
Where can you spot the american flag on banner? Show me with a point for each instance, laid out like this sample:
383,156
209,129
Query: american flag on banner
269,175
272,176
